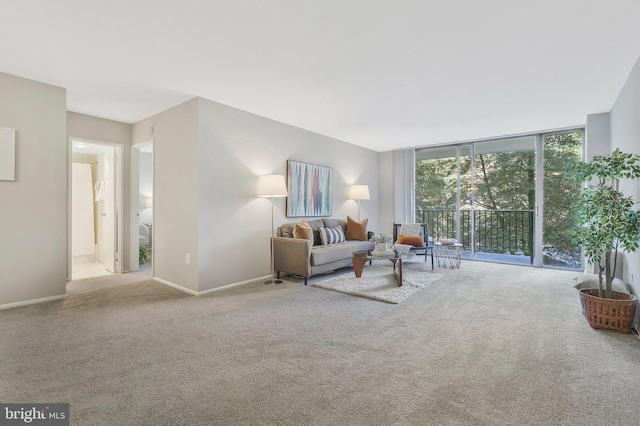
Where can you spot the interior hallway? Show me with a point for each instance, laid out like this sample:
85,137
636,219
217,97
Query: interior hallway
87,284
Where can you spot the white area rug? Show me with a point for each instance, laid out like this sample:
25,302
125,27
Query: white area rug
378,283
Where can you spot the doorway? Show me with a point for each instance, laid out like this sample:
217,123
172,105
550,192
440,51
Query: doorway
95,194
142,211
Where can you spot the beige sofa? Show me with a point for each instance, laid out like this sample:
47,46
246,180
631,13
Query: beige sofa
301,257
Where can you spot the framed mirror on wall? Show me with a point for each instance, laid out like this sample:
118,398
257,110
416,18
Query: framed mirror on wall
7,154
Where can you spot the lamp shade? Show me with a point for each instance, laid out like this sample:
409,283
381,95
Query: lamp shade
359,192
272,186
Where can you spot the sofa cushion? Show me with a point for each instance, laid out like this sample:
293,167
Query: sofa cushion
303,231
321,255
332,223
357,230
315,226
332,235
286,230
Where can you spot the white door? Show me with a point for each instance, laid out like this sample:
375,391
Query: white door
108,225
134,235
141,186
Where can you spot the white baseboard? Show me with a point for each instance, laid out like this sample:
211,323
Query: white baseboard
160,280
31,302
176,286
224,287
202,293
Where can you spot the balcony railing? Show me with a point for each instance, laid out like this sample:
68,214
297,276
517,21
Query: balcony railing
496,231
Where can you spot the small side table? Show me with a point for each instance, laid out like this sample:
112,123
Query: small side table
448,256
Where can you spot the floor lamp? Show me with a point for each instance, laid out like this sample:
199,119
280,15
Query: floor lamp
359,192
272,186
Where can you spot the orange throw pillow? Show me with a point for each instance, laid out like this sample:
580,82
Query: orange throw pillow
357,230
416,241
303,231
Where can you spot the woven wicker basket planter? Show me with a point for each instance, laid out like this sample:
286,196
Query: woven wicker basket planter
610,314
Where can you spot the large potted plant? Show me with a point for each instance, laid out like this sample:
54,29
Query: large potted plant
607,221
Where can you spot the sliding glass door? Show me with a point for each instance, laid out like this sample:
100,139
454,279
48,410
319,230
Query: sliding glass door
488,196
504,203
560,195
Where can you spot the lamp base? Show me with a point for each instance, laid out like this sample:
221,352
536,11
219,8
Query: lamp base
274,281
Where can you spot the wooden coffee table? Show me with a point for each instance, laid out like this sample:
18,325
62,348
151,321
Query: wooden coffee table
360,258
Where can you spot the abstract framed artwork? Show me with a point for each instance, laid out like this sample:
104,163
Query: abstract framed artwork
310,189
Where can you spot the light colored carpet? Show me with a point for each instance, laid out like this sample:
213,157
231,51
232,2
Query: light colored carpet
378,283
485,345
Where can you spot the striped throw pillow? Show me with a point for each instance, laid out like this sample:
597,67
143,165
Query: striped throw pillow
332,235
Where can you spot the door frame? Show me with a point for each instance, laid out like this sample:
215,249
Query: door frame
134,215
119,210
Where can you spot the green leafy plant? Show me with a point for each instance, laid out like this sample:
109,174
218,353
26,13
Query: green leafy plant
144,254
606,219
382,238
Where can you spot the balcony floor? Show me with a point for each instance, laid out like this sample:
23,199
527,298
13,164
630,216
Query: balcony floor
499,258
510,259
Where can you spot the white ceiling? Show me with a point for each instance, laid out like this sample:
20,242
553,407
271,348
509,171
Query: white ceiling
382,74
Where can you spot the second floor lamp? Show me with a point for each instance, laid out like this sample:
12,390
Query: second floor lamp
359,192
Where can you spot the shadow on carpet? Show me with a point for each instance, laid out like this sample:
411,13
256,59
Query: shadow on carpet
378,283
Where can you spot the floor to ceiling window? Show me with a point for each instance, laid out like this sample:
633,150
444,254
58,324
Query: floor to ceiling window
437,190
487,195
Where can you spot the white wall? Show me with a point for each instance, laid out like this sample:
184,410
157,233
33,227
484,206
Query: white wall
207,159
99,129
597,135
33,208
233,224
625,134
175,150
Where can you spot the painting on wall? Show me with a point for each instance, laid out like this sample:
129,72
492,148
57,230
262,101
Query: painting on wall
310,190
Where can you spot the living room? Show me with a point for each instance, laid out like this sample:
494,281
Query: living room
211,231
